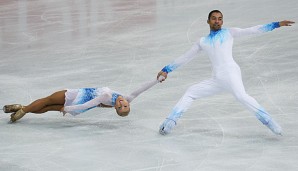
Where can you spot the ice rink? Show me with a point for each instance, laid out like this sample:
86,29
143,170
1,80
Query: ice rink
47,46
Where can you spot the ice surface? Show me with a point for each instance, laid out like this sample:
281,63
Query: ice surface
48,46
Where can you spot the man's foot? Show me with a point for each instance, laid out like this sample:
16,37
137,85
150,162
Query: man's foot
167,126
274,127
12,108
17,115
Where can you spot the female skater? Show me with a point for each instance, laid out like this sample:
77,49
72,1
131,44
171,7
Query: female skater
76,101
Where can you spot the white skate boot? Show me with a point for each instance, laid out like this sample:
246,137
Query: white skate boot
274,127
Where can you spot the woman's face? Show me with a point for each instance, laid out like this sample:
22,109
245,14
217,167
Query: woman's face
122,106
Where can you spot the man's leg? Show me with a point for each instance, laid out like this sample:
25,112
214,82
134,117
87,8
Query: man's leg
197,91
237,89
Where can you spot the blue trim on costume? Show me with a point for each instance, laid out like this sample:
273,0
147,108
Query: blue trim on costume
270,27
176,113
87,95
219,35
169,68
114,97
263,116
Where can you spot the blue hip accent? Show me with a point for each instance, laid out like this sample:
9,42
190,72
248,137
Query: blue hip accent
87,94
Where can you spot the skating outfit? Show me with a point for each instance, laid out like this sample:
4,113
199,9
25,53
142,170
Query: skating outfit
226,73
83,99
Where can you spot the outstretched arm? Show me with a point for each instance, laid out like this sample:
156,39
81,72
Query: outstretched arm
143,88
238,32
185,58
85,106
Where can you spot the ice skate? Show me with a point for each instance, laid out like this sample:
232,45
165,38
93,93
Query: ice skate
12,108
274,127
17,115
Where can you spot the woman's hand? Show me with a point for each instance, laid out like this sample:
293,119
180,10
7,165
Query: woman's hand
164,74
62,110
286,23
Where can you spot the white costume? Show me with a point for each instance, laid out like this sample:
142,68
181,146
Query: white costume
81,100
226,75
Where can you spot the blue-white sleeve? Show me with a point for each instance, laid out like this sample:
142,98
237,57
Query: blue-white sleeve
141,89
80,107
183,59
238,32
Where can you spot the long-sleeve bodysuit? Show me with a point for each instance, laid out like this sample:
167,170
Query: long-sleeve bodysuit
83,99
226,72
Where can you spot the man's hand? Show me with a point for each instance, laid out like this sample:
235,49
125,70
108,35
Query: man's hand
167,126
286,23
164,74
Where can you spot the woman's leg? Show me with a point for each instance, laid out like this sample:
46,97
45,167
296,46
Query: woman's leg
53,102
49,108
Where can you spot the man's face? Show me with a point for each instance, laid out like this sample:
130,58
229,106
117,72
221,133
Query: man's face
215,22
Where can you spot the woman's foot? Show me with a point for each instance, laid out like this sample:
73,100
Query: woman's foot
12,108
17,115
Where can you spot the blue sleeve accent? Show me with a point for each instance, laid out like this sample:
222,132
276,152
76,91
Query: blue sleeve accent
114,98
168,68
270,27
276,24
165,69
